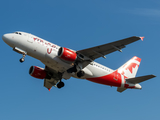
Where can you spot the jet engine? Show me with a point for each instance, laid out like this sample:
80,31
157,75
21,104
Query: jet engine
67,54
37,72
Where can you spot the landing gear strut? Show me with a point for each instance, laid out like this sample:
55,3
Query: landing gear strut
73,69
60,84
22,59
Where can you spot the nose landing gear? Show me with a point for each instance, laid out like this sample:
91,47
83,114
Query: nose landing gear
22,59
18,50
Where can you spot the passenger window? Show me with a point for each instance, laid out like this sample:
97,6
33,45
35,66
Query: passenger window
20,33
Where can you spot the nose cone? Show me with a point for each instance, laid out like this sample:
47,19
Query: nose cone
8,39
4,37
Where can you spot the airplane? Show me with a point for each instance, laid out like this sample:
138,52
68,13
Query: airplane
64,63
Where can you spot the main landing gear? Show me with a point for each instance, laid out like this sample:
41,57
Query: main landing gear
74,69
22,59
80,74
60,84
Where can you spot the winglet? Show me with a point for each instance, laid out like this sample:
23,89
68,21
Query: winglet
142,38
49,89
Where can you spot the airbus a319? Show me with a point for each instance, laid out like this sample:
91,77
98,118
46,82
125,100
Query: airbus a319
64,63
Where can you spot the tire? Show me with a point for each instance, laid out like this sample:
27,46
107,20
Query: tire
60,85
21,60
80,74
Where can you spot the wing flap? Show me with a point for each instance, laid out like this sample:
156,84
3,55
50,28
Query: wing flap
48,83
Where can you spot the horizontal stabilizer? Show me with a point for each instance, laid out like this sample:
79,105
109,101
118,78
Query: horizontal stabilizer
119,89
140,79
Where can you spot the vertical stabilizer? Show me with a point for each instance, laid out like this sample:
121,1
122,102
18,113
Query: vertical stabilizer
130,68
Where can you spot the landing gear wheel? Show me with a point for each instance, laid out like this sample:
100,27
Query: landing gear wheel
21,60
60,85
80,74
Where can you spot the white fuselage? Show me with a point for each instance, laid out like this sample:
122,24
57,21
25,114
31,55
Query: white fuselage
47,53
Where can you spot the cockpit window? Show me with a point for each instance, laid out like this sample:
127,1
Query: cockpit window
18,33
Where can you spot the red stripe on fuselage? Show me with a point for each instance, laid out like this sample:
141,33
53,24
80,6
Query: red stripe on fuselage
113,79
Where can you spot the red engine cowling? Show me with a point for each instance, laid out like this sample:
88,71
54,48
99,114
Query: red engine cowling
37,72
67,54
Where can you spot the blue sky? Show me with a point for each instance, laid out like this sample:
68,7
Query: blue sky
79,25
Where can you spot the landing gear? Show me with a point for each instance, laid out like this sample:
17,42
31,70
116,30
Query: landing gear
60,84
73,69
80,74
22,59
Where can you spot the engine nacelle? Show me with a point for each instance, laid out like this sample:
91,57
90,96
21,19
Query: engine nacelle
67,54
37,72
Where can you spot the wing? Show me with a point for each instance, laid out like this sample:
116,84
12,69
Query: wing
102,50
53,78
48,83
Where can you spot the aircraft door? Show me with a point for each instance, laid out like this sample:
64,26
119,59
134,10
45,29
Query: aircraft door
30,38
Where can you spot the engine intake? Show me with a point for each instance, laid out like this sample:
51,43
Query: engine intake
67,54
37,72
